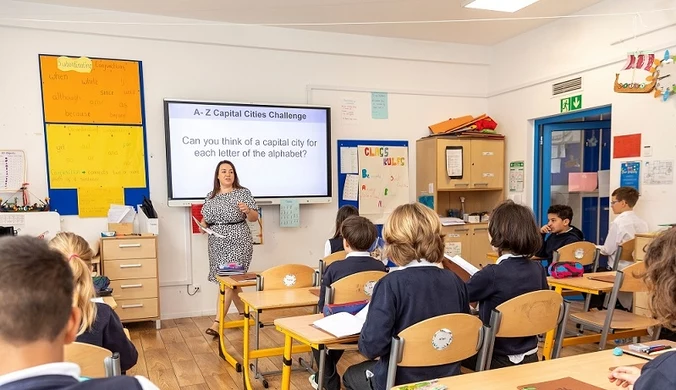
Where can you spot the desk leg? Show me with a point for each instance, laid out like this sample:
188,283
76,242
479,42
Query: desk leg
257,336
320,369
549,337
286,363
245,354
221,326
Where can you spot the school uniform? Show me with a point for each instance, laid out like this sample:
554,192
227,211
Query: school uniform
107,332
622,229
66,376
333,245
552,242
659,373
354,262
495,284
412,294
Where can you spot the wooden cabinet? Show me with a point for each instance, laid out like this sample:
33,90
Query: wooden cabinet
480,245
482,163
131,265
443,181
487,164
641,299
469,241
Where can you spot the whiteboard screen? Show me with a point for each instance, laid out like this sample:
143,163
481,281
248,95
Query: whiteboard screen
278,151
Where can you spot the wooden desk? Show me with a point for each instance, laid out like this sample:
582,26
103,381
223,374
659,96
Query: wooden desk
226,282
301,329
110,301
591,368
258,301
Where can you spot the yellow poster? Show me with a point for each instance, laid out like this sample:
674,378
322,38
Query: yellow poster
95,156
95,201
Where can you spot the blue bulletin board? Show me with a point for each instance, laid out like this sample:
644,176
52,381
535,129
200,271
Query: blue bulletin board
342,176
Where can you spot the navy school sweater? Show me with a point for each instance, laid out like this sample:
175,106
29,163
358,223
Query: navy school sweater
659,373
64,382
403,298
107,332
336,244
498,283
552,242
342,268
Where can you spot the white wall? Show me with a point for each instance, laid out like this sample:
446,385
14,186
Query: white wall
524,68
235,63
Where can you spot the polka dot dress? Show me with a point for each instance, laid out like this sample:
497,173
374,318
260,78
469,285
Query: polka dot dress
224,217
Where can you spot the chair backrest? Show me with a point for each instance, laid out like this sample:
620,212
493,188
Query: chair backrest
328,260
352,288
90,358
631,280
625,252
286,276
583,252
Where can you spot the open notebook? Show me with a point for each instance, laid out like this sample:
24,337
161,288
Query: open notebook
343,324
460,267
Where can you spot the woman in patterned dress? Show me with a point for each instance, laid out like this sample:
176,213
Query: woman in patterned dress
226,209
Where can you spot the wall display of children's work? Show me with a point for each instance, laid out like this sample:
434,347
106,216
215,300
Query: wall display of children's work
94,133
383,180
637,74
665,76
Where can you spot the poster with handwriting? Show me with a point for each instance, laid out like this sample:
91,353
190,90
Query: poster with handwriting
383,180
83,90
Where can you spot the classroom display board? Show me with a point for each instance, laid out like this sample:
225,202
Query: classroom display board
94,133
373,176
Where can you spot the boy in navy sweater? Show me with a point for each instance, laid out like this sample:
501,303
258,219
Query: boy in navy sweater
660,276
514,236
37,319
358,234
420,290
558,232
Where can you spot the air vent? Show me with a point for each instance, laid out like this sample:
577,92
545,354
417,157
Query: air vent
567,86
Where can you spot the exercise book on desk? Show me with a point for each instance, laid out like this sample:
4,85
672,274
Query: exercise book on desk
560,384
244,277
343,324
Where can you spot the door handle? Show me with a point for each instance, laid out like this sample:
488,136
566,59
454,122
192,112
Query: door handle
122,246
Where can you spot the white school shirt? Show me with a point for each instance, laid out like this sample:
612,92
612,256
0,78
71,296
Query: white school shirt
327,248
516,359
621,230
62,368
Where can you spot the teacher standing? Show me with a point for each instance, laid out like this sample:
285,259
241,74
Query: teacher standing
226,209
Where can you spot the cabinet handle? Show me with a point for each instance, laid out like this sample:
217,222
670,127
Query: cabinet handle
139,285
136,305
122,246
463,185
480,184
461,230
480,229
130,265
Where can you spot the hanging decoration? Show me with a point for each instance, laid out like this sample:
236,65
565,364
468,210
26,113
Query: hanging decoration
637,75
665,76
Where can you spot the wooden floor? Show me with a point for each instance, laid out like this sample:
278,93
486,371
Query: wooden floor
181,356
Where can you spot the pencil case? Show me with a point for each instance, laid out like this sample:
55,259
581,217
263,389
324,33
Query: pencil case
566,269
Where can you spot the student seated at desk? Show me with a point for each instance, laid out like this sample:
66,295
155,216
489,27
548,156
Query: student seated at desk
100,325
358,234
514,236
420,290
660,277
38,318
335,243
558,232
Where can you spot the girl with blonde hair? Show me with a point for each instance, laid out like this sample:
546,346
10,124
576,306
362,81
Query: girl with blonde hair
100,325
419,290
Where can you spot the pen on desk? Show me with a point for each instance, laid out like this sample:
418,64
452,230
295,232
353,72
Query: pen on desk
658,349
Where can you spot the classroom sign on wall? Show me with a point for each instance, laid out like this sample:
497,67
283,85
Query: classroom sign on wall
94,133
383,180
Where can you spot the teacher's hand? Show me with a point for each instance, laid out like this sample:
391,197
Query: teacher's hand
243,208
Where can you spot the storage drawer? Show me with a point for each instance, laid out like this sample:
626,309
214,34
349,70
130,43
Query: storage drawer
132,248
133,309
130,269
134,288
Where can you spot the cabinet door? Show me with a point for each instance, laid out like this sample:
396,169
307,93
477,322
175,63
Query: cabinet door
480,246
488,165
444,182
457,241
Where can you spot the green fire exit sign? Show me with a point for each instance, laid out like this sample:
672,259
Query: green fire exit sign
571,103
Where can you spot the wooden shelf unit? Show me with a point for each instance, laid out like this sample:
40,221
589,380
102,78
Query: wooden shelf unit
482,186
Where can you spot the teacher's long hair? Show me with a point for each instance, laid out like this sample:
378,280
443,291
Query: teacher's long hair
79,256
217,184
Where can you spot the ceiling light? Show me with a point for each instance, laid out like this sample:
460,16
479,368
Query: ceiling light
498,5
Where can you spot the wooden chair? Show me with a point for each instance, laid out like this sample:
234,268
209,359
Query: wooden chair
625,252
328,260
444,339
583,252
610,320
94,361
356,287
529,314
286,276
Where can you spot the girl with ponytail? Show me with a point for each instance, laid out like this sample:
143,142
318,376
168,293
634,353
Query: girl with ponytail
100,325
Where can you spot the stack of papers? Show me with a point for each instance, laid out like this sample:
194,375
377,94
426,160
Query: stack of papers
343,324
450,221
207,230
121,214
230,269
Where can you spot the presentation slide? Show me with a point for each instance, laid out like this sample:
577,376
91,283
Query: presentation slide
278,151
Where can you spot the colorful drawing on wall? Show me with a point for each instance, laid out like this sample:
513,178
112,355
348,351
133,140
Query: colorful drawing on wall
637,75
665,76
383,184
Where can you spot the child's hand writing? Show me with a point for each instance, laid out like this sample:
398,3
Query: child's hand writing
624,376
